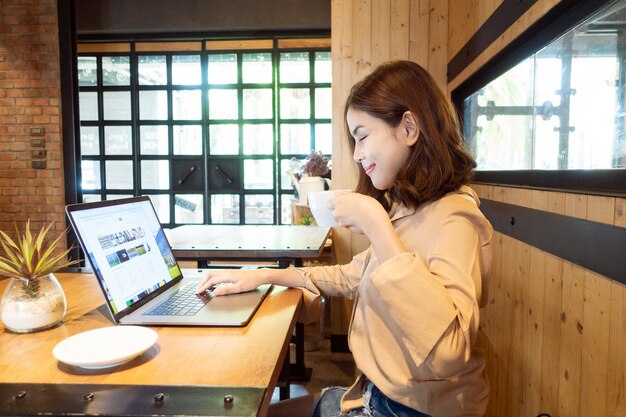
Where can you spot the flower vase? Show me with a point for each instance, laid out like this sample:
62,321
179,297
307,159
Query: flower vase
311,184
32,305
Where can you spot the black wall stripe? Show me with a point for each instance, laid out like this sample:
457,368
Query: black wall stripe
608,182
502,18
598,247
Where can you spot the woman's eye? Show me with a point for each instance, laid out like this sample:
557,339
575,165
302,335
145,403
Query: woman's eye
362,138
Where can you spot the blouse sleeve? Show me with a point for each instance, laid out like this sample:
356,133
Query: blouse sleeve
333,280
429,301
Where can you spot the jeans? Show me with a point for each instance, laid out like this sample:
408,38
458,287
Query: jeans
376,405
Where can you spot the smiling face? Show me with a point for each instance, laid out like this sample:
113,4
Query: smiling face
381,150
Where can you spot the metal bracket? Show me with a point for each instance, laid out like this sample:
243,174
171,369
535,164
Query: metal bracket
128,400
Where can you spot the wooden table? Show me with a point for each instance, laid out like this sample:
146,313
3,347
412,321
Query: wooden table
283,244
193,367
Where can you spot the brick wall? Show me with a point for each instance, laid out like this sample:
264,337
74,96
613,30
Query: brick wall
30,98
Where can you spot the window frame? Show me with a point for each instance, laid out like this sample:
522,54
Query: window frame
561,18
277,46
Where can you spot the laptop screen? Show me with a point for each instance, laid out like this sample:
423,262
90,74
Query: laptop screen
126,247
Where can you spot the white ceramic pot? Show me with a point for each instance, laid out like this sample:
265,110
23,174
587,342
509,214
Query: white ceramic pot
310,184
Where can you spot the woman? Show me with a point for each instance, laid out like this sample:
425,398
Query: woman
418,287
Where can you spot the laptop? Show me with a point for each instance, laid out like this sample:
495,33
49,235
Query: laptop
139,277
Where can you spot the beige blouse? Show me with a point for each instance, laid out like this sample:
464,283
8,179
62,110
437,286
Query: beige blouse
415,318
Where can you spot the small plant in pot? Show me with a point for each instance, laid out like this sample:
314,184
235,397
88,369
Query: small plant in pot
33,299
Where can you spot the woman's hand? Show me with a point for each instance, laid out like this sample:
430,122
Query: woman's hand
237,280
363,214
242,280
357,212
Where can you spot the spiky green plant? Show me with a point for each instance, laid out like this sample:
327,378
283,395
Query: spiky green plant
30,257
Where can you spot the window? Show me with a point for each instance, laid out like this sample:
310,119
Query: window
562,108
554,119
206,129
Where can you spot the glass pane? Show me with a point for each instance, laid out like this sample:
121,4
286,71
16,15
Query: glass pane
223,104
259,209
152,70
257,103
115,70
187,104
186,70
294,67
285,177
116,196
153,140
225,209
295,103
188,208
224,139
87,71
118,140
258,174
323,67
222,69
188,140
88,198
153,105
119,174
89,140
285,212
295,138
511,149
90,172
324,138
258,139
155,174
597,141
88,106
323,103
161,203
116,105
257,68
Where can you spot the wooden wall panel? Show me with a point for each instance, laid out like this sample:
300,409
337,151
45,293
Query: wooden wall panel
595,344
465,17
616,389
399,23
556,331
620,212
418,31
381,33
570,352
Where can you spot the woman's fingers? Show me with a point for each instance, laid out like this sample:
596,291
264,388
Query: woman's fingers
211,279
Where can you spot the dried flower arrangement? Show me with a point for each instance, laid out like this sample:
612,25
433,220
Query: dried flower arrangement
315,165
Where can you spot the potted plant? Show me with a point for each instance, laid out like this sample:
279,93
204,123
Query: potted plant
310,174
315,165
33,299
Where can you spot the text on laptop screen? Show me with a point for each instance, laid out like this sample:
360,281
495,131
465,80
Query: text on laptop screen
128,251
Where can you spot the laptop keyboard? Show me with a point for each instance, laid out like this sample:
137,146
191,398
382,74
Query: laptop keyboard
184,303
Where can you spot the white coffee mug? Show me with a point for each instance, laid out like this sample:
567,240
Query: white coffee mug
318,203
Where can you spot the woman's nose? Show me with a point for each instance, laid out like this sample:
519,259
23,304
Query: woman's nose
358,155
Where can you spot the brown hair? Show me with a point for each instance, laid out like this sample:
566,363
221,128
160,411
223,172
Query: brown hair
438,163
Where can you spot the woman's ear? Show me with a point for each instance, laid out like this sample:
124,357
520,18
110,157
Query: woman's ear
410,127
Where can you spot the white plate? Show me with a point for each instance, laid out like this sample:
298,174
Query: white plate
105,347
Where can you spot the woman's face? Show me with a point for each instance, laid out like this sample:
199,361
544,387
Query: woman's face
381,150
